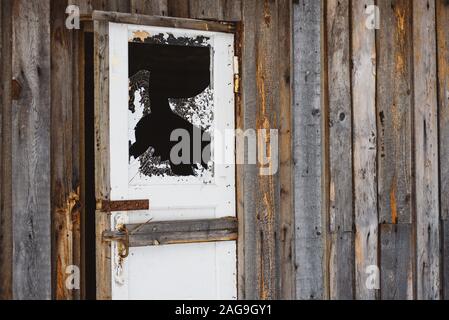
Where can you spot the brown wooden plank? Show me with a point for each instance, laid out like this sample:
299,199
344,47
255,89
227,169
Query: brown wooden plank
247,278
176,232
341,238
426,150
65,198
365,144
394,108
114,5
307,146
232,10
286,206
178,8
267,118
6,242
153,7
31,149
102,161
207,9
240,174
85,6
396,256
443,116
226,223
163,21
445,260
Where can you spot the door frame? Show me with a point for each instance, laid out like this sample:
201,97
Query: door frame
101,20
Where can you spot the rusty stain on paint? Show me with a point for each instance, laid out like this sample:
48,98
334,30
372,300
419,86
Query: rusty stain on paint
142,35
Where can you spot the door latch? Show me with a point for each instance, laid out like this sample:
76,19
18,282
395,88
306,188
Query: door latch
121,236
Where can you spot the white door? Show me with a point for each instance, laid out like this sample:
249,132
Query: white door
157,82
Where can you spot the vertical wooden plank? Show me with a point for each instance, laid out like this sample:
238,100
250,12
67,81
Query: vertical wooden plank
232,10
443,117
178,8
341,237
443,77
65,176
118,5
31,144
6,242
426,150
286,213
267,118
153,7
102,168
394,112
85,6
445,253
310,231
396,265
364,144
394,108
248,278
207,9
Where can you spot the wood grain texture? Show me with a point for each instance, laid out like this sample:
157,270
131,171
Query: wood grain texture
248,278
445,260
6,241
443,102
396,256
267,118
149,7
364,144
178,8
31,144
102,161
341,214
286,201
394,110
442,27
85,6
395,180
232,10
64,179
307,140
206,9
159,21
114,5
426,150
177,232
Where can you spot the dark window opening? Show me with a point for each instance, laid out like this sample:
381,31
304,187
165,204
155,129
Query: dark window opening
166,77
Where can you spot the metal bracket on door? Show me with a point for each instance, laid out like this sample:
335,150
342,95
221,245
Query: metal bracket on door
122,205
120,236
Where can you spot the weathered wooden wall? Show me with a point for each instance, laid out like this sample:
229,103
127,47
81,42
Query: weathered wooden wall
363,117
385,156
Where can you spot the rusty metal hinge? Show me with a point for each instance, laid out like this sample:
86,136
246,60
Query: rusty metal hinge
236,75
122,205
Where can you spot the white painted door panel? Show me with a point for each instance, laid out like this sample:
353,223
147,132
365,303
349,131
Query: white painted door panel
187,271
